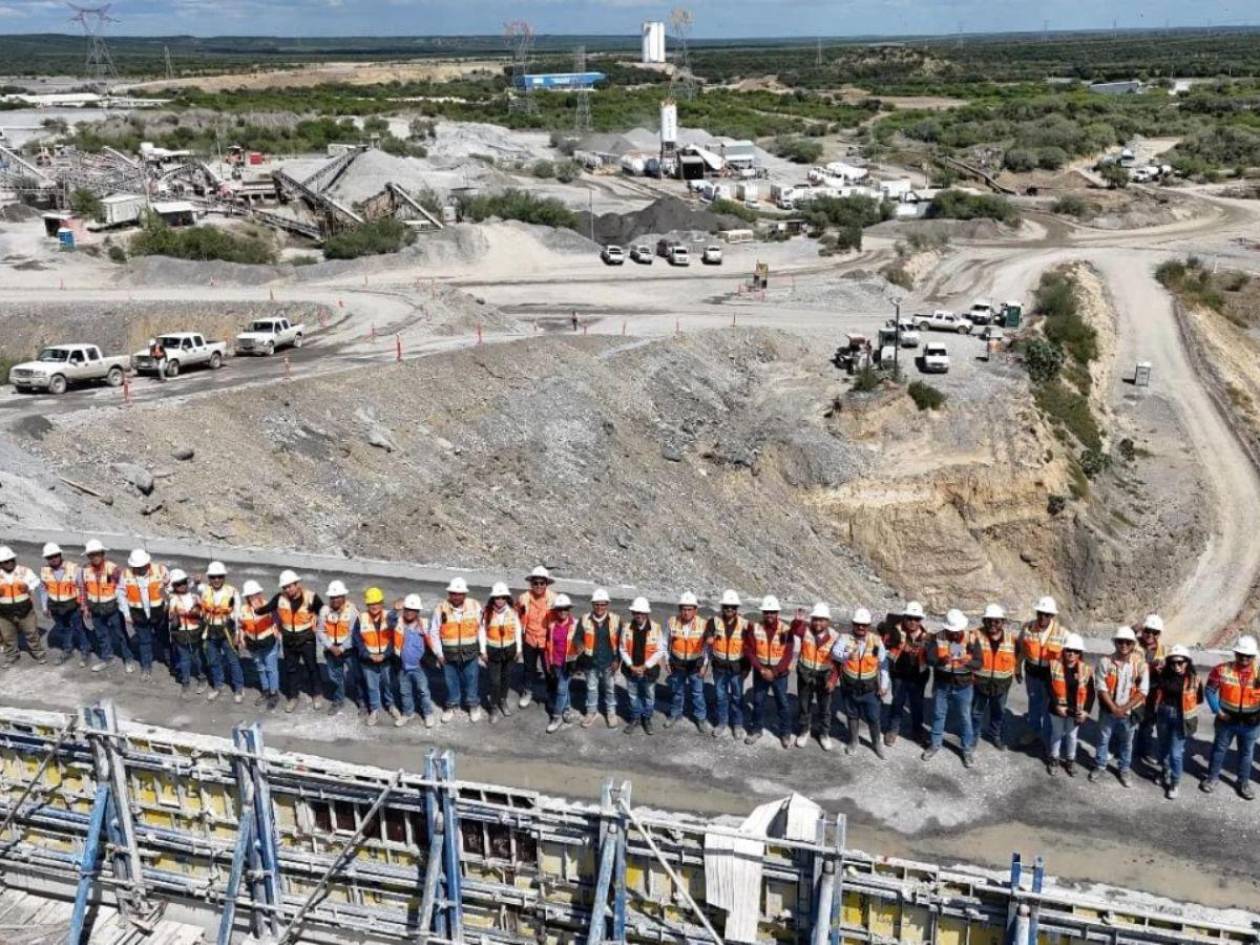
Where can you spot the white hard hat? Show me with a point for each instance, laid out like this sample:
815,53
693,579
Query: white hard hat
640,605
93,547
457,586
1246,646
1074,642
770,604
412,602
730,599
687,599
1179,650
1047,606
1153,622
138,558
862,616
994,612
1125,633
51,550
6,553
251,588
335,589
178,576
288,576
562,602
540,572
600,596
821,611
955,621
216,569
500,590
152,342
913,609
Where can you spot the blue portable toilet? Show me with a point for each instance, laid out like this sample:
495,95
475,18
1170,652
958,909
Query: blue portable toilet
65,236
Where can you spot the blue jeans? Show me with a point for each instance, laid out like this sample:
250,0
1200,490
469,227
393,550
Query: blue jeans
1039,707
728,691
1108,727
988,714
905,692
680,683
378,683
1227,732
461,684
1172,742
339,668
601,683
70,634
187,662
557,690
642,693
760,687
860,705
413,686
267,663
219,652
959,699
110,636
141,643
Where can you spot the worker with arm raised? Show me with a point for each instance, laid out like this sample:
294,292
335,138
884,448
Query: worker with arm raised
907,648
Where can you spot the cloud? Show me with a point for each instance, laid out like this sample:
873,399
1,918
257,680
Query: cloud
11,12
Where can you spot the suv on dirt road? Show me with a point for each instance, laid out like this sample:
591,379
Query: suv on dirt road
642,254
613,256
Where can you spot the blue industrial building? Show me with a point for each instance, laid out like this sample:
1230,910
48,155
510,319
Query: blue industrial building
560,81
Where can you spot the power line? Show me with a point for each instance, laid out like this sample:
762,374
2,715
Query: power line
98,64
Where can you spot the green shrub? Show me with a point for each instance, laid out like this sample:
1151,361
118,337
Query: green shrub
1093,462
734,209
957,205
200,243
374,238
568,171
798,150
86,204
1069,409
866,380
1073,206
1115,176
925,396
1170,273
306,259
117,254
1051,159
1043,360
515,204
1019,160
899,276
543,170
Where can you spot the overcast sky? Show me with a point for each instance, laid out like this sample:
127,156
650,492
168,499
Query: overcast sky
715,18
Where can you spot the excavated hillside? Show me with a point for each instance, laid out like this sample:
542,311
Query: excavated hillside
725,458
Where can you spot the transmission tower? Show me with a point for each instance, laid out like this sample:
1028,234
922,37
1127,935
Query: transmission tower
582,119
98,67
682,83
519,37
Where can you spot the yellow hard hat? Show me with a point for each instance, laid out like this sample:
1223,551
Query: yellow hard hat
373,595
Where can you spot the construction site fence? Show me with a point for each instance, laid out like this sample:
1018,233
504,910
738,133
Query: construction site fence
288,847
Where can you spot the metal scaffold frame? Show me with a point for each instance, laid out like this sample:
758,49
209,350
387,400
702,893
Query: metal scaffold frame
288,847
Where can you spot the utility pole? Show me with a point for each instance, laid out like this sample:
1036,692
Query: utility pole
897,339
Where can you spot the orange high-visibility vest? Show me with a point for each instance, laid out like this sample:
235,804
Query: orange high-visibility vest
1059,686
16,585
217,606
142,587
458,629
338,624
651,646
255,627
64,589
1042,647
1190,690
299,617
589,625
728,643
502,627
816,650
1111,678
101,586
996,663
535,614
686,641
1240,692
769,648
185,610
862,665
376,633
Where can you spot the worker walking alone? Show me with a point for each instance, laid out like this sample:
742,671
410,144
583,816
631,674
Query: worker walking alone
859,656
61,601
600,633
1040,643
334,639
410,650
459,646
728,651
772,651
561,656
504,648
1071,700
220,607
1122,684
907,648
100,580
954,658
534,608
188,634
1233,694
142,599
688,661
1178,695
994,676
18,585
258,638
296,610
374,640
815,678
642,651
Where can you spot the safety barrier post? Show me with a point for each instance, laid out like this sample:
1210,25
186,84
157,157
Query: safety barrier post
398,347
623,329
288,371
126,386
478,332
450,844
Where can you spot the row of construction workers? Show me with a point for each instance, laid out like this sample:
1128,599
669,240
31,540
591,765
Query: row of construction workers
1145,696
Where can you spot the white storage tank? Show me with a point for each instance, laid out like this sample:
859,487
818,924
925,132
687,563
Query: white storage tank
669,125
654,41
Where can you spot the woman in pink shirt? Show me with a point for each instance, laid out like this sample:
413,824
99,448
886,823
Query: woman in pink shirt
560,653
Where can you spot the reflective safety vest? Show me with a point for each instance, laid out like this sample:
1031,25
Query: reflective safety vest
1059,686
652,646
376,633
769,648
16,587
502,628
61,590
1111,676
1041,648
816,650
686,641
218,607
185,609
1239,691
101,587
458,630
996,663
256,627
589,625
337,625
299,617
727,644
535,614
1190,694
142,587
861,661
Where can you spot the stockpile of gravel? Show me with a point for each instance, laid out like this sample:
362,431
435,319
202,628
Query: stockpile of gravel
667,215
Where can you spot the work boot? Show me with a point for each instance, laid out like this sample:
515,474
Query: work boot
262,697
851,744
1207,785
526,698
291,706
200,687
447,715
630,728
876,741
801,739
737,732
1052,767
568,715
146,673
334,710
99,667
506,709
999,743
273,702
393,711
890,739
1070,768
474,714
317,702
490,715
611,719
185,692
647,726
825,741
401,720
212,695
752,738
703,726
588,720
929,753
1171,792
669,721
1126,780
128,668
785,741
65,658
238,697
373,717
83,662
1247,792
429,721
1095,775
554,725
969,759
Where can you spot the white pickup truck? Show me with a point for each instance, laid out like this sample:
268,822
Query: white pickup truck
944,321
909,331
268,335
59,366
184,349
935,358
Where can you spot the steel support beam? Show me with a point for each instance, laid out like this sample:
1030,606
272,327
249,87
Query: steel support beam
88,864
436,826
619,869
240,856
450,844
607,855
265,855
1039,878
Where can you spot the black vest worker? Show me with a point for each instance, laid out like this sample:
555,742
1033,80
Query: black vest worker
296,611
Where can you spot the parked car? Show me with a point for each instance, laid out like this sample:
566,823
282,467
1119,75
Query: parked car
613,256
944,321
184,349
642,254
664,247
268,335
712,256
678,256
909,331
981,312
59,366
935,358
